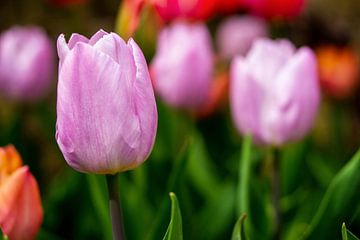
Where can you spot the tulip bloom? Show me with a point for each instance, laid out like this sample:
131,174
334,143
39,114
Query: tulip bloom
276,8
274,92
236,35
338,69
182,66
229,6
26,63
21,212
185,9
106,110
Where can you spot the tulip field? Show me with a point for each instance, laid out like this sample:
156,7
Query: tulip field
179,119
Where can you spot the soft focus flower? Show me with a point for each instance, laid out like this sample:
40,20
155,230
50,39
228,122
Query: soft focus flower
338,69
276,9
182,66
129,17
274,92
26,63
236,35
185,9
21,212
106,110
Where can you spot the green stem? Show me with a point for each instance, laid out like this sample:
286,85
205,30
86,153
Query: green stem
115,207
244,176
275,187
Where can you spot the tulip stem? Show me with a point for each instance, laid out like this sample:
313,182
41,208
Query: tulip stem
115,207
275,184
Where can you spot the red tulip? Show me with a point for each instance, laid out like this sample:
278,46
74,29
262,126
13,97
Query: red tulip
338,69
185,9
276,8
21,212
229,6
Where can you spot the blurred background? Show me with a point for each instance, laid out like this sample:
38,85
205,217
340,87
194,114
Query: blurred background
195,155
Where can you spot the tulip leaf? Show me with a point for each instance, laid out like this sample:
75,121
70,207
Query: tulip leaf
239,232
174,231
334,206
346,234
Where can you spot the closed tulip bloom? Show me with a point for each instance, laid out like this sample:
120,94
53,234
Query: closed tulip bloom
182,66
236,35
106,110
276,9
274,92
21,212
26,63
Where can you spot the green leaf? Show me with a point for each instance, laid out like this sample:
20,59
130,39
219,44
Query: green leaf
337,201
346,234
2,236
174,231
239,232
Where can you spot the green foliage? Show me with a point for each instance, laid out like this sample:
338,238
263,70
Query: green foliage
174,231
239,232
346,234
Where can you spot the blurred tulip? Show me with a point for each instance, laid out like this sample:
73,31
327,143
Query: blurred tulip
338,69
106,110
26,63
21,212
274,91
236,35
276,9
182,66
185,9
129,17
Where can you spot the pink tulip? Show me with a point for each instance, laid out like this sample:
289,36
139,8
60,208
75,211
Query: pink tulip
26,63
236,35
106,110
182,66
21,212
274,91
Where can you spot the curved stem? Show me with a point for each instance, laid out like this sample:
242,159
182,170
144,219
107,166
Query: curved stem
115,207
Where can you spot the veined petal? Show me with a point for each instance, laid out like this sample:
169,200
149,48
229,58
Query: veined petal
145,102
75,38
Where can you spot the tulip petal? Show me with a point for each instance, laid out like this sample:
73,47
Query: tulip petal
75,38
94,96
62,47
245,97
299,83
97,36
145,102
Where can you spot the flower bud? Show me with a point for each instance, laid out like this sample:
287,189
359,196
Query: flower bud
106,110
274,91
26,63
236,35
182,66
21,212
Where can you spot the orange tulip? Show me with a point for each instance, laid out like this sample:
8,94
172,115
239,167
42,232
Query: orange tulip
338,69
21,212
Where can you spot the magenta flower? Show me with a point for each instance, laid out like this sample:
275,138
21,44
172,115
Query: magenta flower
26,63
182,66
236,35
106,110
274,92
